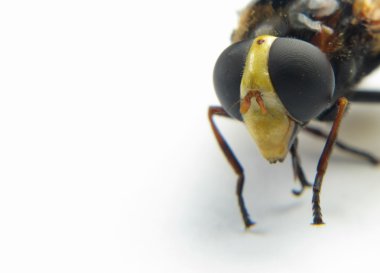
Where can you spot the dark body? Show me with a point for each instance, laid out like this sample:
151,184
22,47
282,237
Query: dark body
347,33
348,36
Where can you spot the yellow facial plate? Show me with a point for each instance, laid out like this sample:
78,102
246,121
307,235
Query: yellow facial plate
272,131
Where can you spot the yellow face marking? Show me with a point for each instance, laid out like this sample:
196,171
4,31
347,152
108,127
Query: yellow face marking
256,75
271,129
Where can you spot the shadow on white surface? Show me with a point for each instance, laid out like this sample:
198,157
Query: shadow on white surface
283,239
108,163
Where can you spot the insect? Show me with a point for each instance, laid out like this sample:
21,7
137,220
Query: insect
292,61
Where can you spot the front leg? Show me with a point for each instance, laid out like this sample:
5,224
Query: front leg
219,111
323,161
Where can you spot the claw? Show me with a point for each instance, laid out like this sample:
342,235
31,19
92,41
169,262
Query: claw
318,221
298,192
249,225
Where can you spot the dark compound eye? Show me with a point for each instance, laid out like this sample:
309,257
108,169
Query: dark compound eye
228,72
302,77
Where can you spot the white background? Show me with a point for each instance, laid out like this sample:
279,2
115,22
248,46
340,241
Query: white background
108,164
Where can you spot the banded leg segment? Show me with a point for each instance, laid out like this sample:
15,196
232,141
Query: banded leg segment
323,161
219,111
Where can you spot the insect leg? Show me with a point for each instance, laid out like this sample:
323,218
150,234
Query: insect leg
323,161
364,96
297,169
219,111
359,96
365,155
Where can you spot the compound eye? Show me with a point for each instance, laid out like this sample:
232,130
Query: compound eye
228,73
302,77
